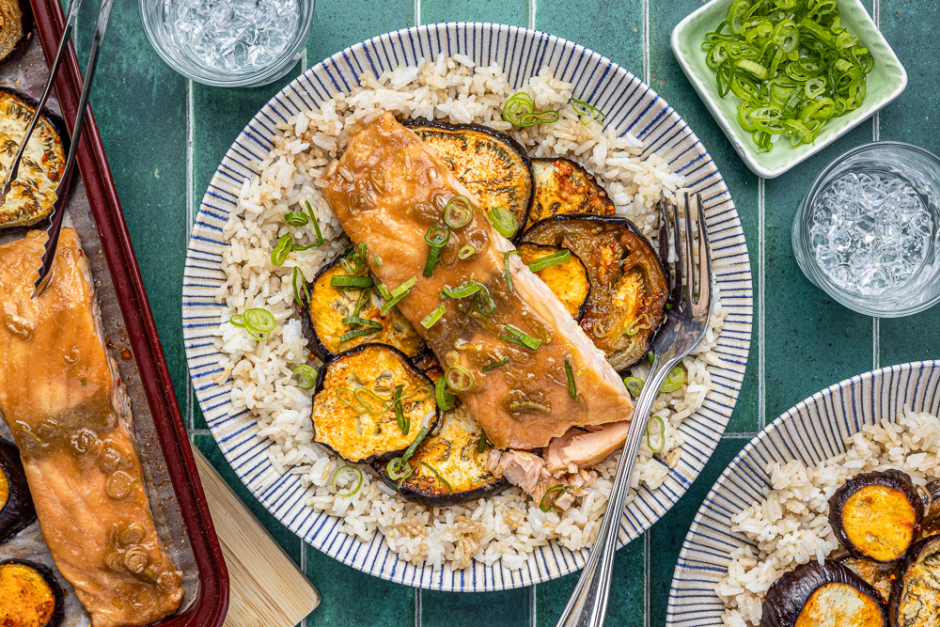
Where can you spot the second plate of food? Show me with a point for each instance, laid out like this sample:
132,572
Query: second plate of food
833,510
304,351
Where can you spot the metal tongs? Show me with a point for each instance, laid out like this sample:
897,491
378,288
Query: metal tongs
58,206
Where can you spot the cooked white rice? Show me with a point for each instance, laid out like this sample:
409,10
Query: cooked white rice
791,525
507,527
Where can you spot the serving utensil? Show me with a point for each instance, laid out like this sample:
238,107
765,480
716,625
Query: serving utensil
58,207
686,322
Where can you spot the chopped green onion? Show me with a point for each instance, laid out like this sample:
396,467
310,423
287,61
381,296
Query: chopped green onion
354,263
634,327
588,113
299,285
445,400
394,300
316,224
352,492
351,281
436,237
383,292
485,304
351,335
634,385
414,445
467,251
674,380
598,330
518,337
351,403
419,390
495,364
369,408
436,474
283,248
404,287
308,376
548,506
506,262
554,259
396,469
458,212
459,378
404,424
258,322
463,290
295,218
377,260
503,221
431,319
519,110
572,391
662,434
366,322
481,445
364,297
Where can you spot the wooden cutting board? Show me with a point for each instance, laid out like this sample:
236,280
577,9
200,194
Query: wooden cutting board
267,589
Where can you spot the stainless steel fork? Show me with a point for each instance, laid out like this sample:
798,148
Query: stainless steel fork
685,325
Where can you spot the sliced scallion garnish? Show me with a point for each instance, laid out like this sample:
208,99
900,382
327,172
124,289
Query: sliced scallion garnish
380,406
436,474
518,337
258,322
308,376
316,225
404,424
550,504
503,221
282,249
299,283
635,326
458,212
351,335
445,400
466,252
481,445
572,390
495,364
431,319
506,263
459,378
436,238
587,112
356,282
295,218
355,490
519,110
554,259
662,433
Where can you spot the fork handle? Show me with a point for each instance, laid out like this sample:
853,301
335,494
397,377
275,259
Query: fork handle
587,606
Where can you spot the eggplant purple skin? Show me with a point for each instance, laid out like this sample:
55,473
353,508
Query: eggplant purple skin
897,588
321,376
58,614
894,479
18,512
930,525
788,595
516,146
445,500
635,231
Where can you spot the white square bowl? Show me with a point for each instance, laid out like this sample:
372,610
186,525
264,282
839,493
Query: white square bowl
885,83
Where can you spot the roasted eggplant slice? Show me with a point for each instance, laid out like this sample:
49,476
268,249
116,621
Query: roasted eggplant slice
33,192
878,576
915,596
16,28
330,305
491,165
628,284
568,280
563,188
31,595
875,515
353,403
456,454
16,505
930,525
814,595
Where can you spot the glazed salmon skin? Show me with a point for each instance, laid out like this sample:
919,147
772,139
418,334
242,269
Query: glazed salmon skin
61,397
388,189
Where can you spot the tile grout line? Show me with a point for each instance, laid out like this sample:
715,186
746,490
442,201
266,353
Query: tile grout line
876,136
646,41
532,14
646,536
761,341
190,126
533,616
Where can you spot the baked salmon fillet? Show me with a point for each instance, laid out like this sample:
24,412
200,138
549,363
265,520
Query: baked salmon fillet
529,371
61,396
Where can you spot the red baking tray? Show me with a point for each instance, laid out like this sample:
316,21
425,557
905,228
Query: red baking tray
211,604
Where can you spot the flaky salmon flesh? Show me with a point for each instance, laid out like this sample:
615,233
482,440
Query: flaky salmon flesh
61,396
388,189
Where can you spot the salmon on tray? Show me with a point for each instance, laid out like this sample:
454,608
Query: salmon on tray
62,398
510,350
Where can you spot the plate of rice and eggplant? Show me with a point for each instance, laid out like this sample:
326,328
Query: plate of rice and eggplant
420,301
830,516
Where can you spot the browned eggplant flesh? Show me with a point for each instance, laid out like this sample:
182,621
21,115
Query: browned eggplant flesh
879,576
491,165
628,284
877,514
33,192
821,595
915,596
449,467
371,401
337,312
30,595
930,525
16,28
567,280
16,505
562,187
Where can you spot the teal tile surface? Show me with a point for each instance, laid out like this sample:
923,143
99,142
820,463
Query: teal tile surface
148,114
514,12
904,26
